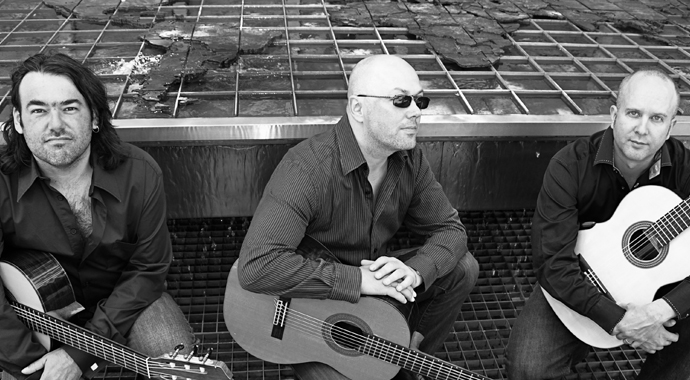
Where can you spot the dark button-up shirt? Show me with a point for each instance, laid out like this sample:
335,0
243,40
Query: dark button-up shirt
116,272
320,188
581,185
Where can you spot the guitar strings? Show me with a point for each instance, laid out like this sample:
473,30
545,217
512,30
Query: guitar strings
645,240
665,235
66,334
390,354
388,351
311,326
667,219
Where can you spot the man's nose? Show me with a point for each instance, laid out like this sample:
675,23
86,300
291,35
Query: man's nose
55,121
642,126
413,110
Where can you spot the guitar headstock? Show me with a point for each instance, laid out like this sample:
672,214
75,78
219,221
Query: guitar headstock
192,367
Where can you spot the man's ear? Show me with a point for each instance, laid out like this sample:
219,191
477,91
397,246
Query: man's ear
17,119
613,111
356,108
670,128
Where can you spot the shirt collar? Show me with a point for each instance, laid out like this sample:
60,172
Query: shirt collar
351,156
100,179
605,151
27,177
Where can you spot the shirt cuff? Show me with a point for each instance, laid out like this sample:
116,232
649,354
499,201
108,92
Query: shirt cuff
426,268
606,314
679,299
88,363
347,284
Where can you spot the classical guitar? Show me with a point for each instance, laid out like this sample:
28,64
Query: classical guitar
367,340
629,257
37,284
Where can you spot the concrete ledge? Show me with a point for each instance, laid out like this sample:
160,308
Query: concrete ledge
204,131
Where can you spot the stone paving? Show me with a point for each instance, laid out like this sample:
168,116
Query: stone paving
469,33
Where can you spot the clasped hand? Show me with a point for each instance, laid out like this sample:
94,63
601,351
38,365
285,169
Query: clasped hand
56,365
388,276
645,326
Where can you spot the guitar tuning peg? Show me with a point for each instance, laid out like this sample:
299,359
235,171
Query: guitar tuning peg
191,354
178,348
208,353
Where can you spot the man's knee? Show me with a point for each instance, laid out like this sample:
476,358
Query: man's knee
161,327
464,276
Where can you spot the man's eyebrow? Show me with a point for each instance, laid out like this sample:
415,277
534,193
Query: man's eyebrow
405,91
43,104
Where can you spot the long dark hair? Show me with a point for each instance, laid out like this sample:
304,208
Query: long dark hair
105,145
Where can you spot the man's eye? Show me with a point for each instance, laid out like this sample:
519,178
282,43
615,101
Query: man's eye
633,113
37,110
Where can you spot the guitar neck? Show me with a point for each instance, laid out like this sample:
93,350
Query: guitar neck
82,339
415,361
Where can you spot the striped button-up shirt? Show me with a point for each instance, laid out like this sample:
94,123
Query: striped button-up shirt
320,189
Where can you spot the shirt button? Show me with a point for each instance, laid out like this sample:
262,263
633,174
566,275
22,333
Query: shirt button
60,197
73,231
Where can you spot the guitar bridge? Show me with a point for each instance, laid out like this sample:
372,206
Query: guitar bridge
592,277
279,315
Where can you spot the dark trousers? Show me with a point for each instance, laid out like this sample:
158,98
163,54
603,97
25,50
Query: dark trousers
541,347
432,314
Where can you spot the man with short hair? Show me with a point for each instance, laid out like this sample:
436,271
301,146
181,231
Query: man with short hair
351,189
70,187
585,182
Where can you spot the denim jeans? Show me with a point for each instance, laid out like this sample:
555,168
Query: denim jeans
432,314
541,347
157,331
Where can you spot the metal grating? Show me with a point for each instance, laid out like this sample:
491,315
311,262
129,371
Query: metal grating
552,68
205,249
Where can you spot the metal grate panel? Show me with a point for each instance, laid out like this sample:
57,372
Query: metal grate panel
552,67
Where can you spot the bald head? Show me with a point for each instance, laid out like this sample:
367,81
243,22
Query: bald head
378,73
637,80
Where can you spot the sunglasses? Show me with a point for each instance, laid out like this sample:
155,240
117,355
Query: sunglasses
403,101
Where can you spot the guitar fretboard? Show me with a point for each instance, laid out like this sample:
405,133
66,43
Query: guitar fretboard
415,361
82,339
669,226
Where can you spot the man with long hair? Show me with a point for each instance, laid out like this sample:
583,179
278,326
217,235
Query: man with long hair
69,186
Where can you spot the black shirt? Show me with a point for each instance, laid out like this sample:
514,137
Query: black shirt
581,184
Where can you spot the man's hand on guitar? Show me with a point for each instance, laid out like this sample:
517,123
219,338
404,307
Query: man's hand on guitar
644,326
389,276
56,365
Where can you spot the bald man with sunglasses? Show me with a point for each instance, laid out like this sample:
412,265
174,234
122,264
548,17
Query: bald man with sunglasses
351,189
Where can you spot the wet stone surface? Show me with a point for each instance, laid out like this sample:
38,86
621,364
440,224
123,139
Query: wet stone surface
472,33
466,34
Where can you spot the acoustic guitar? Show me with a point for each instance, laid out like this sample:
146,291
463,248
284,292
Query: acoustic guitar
367,340
37,284
643,247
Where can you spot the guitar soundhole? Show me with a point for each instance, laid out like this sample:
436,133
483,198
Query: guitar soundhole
641,248
345,333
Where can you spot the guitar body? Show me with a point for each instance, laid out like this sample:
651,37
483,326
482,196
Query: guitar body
629,279
37,284
36,279
249,318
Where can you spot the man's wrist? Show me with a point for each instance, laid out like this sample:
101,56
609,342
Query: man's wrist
417,279
664,309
